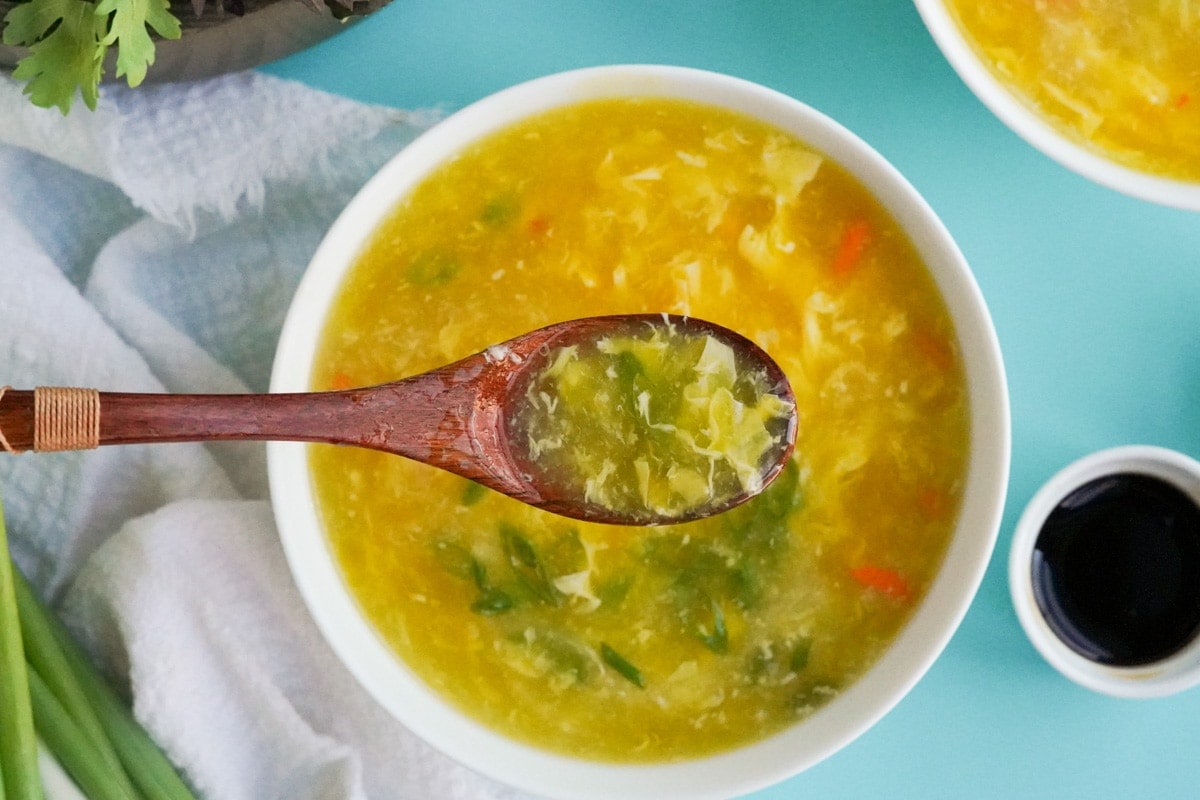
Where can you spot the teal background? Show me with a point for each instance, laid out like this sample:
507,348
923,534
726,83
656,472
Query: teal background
1093,296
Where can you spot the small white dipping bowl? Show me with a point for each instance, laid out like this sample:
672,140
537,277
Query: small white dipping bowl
395,687
1168,676
1035,130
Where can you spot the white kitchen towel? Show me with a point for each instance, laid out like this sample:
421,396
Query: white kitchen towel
154,245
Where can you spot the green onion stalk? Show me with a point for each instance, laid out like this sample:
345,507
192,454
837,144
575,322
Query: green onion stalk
48,688
19,774
126,754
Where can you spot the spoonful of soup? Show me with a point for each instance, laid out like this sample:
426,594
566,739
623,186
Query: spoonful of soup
639,419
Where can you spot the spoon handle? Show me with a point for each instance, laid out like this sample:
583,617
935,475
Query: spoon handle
65,418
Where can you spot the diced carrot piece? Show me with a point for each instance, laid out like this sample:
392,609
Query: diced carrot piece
851,247
1182,100
539,225
341,381
935,349
932,501
881,579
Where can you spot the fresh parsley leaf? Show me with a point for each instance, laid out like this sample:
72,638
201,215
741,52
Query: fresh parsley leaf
65,50
127,29
68,39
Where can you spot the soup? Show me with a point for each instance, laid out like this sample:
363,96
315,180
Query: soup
1121,78
658,643
654,424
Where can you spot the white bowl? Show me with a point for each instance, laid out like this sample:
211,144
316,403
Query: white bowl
748,768
1168,676
1035,130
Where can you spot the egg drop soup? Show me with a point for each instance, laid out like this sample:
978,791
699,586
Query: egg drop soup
658,643
1120,77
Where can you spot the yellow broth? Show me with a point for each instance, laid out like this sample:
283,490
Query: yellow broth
652,644
1119,77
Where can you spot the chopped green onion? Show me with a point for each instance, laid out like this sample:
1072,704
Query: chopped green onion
18,742
492,601
566,654
501,211
618,662
800,655
433,268
612,592
479,574
455,558
528,567
520,551
716,640
473,493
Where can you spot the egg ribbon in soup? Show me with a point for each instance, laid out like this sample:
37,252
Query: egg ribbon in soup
652,644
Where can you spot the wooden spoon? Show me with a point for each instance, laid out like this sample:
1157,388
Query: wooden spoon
455,417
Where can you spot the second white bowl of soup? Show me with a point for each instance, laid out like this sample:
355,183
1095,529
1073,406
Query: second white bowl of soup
699,660
1108,88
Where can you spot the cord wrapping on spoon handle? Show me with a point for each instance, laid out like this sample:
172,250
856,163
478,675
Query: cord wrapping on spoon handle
65,418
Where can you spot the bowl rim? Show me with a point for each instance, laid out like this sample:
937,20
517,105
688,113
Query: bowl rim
766,761
1167,676
1039,133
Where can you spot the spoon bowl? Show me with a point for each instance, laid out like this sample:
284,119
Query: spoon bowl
457,417
634,429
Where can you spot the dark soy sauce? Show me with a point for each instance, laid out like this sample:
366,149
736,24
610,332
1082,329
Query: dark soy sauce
1116,570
